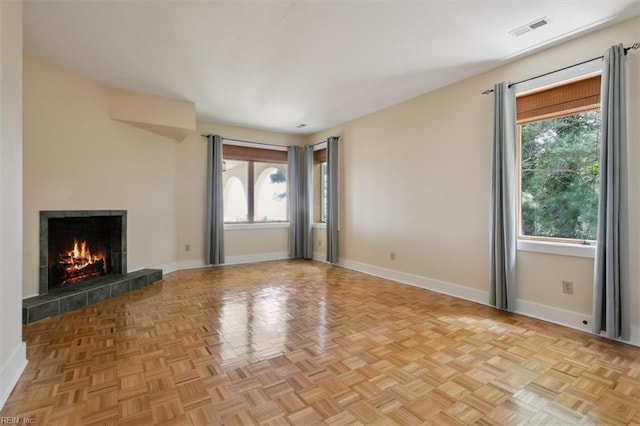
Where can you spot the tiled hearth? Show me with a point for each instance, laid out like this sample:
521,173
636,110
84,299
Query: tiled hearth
66,299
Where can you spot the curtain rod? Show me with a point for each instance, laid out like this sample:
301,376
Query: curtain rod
635,46
263,143
243,141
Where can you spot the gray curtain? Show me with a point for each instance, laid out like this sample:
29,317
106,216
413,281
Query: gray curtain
333,199
611,295
503,200
299,197
308,161
215,212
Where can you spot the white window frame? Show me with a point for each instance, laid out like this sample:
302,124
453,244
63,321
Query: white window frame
556,79
319,225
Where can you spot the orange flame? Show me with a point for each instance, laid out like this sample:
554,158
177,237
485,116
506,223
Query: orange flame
80,256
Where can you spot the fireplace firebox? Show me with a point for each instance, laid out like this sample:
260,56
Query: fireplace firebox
80,245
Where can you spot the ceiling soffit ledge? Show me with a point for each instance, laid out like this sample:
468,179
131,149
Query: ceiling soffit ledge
172,118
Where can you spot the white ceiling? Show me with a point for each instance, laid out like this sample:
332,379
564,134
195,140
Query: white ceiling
276,64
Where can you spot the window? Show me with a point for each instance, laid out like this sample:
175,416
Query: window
323,191
320,186
559,154
254,185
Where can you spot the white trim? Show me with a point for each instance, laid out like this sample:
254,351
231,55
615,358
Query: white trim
28,296
234,260
252,258
167,268
255,225
536,84
525,308
11,372
554,315
568,319
462,292
319,225
259,145
320,256
564,249
319,146
191,264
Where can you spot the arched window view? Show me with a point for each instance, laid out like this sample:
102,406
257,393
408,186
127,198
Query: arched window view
235,201
271,196
254,191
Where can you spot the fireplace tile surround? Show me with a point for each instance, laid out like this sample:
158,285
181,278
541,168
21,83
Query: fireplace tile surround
119,259
56,301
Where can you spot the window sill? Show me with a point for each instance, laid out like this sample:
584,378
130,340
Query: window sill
248,226
319,225
564,249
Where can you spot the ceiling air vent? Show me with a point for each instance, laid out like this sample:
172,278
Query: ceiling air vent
530,27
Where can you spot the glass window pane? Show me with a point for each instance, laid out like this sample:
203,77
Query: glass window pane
234,178
560,166
323,191
270,196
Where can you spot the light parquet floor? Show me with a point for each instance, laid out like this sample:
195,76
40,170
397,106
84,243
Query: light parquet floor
301,342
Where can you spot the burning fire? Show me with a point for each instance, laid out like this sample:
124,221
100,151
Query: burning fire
78,264
80,257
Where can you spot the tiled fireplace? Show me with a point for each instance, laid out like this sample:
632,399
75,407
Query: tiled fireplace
83,260
79,245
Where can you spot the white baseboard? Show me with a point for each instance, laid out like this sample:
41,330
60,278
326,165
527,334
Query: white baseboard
232,260
168,267
462,292
554,315
11,372
252,258
191,264
320,256
546,313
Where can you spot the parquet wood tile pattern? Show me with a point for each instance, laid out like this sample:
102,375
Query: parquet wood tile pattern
302,342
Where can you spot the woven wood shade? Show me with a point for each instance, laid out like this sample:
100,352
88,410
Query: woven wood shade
320,156
570,98
233,152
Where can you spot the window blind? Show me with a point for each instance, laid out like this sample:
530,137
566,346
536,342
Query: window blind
234,152
581,95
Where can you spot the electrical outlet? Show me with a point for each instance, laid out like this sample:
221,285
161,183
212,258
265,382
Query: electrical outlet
392,255
567,287
187,247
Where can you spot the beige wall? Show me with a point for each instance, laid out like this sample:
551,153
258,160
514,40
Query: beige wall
12,349
77,158
416,181
192,164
